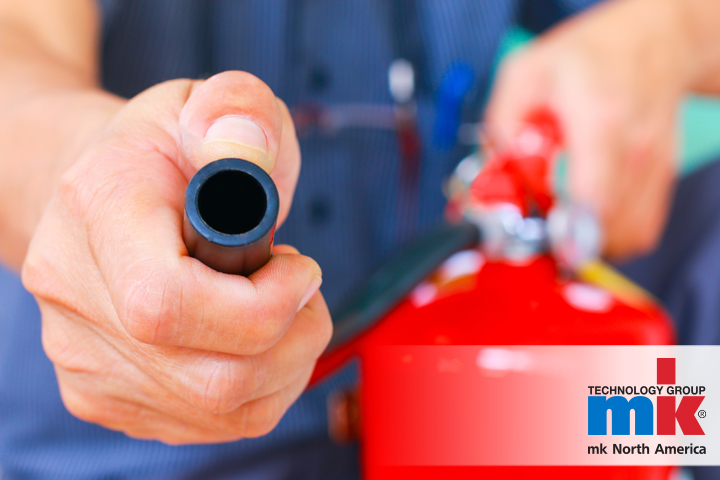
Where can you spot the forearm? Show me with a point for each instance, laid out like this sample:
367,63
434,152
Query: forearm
50,109
698,21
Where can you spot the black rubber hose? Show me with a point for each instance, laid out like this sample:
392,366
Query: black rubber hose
231,209
398,276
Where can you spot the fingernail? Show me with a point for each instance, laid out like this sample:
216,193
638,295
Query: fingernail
312,290
238,130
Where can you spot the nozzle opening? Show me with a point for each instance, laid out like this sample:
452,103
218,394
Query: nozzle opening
232,202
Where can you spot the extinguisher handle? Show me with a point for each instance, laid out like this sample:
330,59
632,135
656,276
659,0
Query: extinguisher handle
521,173
546,123
231,209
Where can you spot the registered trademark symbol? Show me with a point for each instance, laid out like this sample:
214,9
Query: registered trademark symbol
701,413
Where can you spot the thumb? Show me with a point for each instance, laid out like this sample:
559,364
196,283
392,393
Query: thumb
235,115
231,115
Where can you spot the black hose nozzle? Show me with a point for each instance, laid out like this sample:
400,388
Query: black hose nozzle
231,209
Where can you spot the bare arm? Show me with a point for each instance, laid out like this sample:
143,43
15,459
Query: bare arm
700,24
50,107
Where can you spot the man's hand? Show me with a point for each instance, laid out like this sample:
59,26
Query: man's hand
145,339
614,77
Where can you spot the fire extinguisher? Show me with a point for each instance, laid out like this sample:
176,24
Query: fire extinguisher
511,254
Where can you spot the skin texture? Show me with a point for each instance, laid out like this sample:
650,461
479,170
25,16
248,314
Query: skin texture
148,341
614,77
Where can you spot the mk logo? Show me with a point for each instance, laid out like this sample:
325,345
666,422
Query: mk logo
667,414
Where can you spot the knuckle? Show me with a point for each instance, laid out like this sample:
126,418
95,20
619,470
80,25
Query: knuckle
71,191
262,420
261,335
61,352
84,408
35,274
272,314
221,388
55,352
311,266
82,189
150,308
73,349
45,264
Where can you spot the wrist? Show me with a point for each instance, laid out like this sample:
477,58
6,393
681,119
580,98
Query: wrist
698,41
43,134
669,47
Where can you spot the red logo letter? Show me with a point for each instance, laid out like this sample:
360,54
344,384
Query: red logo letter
685,414
666,371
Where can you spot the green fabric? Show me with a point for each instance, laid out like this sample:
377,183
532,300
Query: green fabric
700,131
